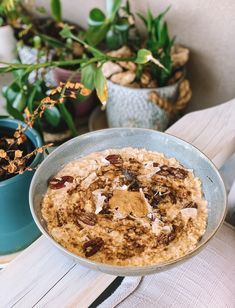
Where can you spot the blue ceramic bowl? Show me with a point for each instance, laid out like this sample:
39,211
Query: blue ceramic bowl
17,228
171,146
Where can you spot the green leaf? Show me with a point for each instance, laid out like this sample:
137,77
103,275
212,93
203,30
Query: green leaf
100,85
14,112
127,8
149,20
144,20
20,102
96,17
41,9
52,116
114,39
112,6
31,100
143,56
87,76
56,10
68,119
66,32
51,41
10,92
1,21
96,35
122,25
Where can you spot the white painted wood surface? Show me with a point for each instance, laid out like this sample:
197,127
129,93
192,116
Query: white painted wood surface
43,277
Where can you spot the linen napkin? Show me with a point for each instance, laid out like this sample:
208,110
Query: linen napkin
206,280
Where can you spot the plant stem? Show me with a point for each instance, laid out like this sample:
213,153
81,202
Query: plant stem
68,119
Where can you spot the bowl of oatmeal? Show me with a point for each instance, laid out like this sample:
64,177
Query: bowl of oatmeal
128,201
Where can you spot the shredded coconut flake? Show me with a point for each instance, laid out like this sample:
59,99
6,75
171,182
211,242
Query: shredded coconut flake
91,178
156,226
99,201
188,213
149,170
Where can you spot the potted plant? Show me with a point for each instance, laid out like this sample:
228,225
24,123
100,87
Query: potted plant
57,123
114,28
20,152
39,41
145,94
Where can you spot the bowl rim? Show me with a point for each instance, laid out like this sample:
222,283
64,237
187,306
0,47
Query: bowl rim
123,268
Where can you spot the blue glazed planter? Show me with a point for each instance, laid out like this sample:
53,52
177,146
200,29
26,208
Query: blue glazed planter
17,228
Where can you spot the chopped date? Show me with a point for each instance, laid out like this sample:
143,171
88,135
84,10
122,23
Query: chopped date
93,246
89,219
58,183
114,159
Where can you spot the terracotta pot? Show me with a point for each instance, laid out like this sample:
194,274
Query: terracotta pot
82,109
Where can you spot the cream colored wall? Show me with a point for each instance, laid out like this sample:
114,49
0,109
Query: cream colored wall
207,27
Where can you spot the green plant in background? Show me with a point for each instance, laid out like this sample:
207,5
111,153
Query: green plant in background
23,95
113,27
159,43
56,10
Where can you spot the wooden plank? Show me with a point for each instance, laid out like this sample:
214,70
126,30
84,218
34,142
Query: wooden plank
211,130
43,277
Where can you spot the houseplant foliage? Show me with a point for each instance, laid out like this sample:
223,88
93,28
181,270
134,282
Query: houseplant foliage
161,46
89,64
115,27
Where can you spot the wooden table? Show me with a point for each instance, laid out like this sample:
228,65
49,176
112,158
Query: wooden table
43,277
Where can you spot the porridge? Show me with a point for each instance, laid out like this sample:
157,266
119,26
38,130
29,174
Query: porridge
128,207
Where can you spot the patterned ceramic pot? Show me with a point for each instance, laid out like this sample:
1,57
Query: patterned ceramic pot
130,107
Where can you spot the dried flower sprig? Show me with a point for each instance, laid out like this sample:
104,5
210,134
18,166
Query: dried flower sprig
13,159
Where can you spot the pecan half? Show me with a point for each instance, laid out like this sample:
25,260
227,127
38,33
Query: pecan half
57,183
93,246
87,218
114,159
67,178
